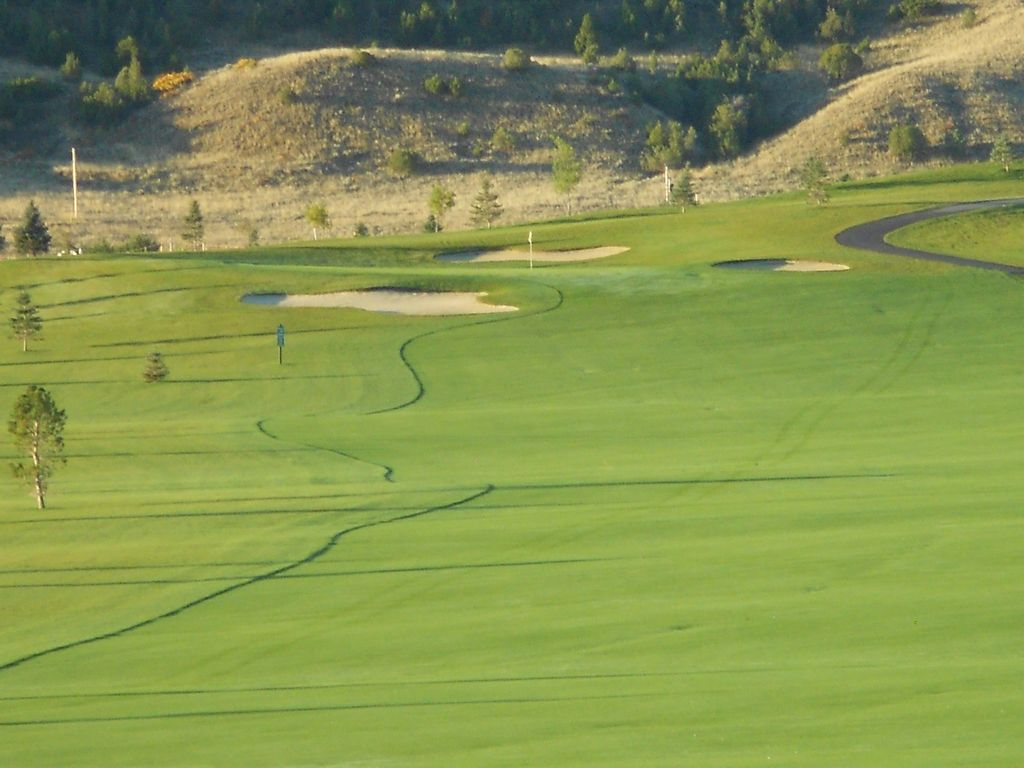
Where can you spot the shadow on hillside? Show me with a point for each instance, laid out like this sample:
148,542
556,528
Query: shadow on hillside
131,156
795,94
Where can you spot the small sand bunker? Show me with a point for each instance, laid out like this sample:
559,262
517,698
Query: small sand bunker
583,254
387,300
782,265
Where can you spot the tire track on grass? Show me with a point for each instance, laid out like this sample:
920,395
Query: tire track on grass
421,389
312,557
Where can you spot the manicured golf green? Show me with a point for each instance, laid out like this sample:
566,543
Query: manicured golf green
663,515
976,235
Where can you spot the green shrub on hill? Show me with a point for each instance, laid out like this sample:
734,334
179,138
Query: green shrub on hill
516,60
402,163
907,143
840,62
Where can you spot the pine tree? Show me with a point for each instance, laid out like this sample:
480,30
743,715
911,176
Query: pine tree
682,191
566,170
585,42
37,425
32,237
1002,153
813,177
193,231
156,368
485,208
25,322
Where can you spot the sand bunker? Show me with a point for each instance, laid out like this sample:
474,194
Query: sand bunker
782,265
583,254
388,300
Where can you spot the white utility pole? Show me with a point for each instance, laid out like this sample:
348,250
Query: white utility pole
668,187
530,238
74,180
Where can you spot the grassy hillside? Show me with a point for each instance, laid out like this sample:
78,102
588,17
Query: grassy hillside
951,79
664,510
257,144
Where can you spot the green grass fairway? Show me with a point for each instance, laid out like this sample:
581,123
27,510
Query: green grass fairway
664,515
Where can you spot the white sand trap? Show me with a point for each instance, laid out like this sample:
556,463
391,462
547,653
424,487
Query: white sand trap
387,300
582,254
782,265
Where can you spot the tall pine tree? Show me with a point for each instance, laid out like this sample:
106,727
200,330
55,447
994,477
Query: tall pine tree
37,425
25,322
32,237
485,208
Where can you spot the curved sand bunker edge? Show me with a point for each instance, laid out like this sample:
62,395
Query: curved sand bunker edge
782,265
517,254
384,300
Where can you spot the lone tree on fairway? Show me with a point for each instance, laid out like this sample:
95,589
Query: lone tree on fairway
32,237
193,230
1002,153
25,322
37,425
485,208
812,179
566,170
317,216
441,201
156,368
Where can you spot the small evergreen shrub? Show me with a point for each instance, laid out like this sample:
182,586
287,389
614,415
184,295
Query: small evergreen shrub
516,60
156,369
361,58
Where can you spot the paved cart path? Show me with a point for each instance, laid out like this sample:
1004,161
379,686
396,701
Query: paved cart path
871,235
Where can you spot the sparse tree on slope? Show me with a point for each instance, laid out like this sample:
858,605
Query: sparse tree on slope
441,201
485,208
25,322
37,425
317,216
585,42
32,237
193,231
566,170
813,178
682,190
1002,153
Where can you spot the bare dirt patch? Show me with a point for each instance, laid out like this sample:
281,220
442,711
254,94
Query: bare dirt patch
385,300
582,254
782,265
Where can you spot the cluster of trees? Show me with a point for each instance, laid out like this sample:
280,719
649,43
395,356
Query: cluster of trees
45,31
36,423
719,96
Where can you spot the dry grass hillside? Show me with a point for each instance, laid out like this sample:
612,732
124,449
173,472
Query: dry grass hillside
256,141
941,75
